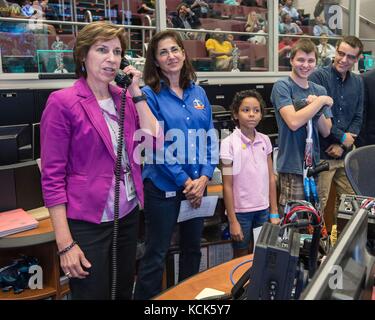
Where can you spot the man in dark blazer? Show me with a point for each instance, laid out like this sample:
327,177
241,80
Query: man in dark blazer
185,18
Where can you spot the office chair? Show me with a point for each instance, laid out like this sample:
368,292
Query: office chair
360,170
217,108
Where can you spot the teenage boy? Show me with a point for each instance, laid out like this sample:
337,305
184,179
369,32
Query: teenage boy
346,90
287,93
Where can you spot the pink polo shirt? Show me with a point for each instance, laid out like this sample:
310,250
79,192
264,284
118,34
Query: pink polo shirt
250,169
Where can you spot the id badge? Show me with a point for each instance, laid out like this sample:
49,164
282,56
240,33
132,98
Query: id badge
170,194
129,186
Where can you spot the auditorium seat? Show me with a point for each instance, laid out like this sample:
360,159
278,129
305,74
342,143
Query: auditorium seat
261,57
225,25
172,5
197,54
237,11
224,9
133,5
68,39
246,50
195,48
307,30
17,44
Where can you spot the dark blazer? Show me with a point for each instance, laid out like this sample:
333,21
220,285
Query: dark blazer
367,135
193,21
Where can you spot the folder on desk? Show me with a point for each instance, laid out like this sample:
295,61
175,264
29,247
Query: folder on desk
15,221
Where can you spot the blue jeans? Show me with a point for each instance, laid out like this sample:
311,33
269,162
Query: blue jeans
248,222
160,219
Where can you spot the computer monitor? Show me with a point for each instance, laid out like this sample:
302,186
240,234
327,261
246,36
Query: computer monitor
222,94
41,97
36,140
366,62
15,144
17,106
273,273
223,123
348,271
20,186
268,124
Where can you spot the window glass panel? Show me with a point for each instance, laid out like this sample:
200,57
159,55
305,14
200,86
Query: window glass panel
333,13
367,31
239,52
35,46
367,62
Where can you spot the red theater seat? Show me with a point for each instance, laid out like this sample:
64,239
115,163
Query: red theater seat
197,54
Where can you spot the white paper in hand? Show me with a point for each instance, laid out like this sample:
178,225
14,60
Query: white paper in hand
207,209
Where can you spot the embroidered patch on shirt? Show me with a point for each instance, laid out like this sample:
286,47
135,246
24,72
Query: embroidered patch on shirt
198,104
244,146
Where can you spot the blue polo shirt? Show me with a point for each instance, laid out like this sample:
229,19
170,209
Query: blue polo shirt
292,143
191,147
347,105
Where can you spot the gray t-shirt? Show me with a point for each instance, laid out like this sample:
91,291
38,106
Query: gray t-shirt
292,143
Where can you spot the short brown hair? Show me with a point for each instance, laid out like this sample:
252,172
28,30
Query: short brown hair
352,41
305,45
90,34
152,74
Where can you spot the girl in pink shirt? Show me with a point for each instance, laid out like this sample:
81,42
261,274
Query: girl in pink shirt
248,179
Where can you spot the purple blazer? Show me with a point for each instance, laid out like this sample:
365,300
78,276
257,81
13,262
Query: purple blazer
77,155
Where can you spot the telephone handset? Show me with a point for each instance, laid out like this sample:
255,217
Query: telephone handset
122,79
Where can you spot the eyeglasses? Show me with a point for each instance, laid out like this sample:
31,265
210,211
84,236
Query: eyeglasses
349,56
174,50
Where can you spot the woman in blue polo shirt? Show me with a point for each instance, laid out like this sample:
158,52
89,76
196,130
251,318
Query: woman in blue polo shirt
181,171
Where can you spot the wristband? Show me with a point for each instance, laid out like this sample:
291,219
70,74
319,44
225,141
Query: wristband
274,216
63,251
343,138
140,98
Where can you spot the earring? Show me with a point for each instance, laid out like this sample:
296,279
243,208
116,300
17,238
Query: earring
83,69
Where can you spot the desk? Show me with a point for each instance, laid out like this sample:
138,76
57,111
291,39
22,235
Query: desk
39,243
215,190
42,234
216,278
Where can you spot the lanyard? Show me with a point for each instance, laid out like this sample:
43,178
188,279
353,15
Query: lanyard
109,117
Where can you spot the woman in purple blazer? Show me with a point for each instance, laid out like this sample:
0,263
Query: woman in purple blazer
79,131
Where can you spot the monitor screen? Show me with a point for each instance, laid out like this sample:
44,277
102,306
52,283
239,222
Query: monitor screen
20,186
15,144
222,94
348,271
36,140
223,123
17,106
366,62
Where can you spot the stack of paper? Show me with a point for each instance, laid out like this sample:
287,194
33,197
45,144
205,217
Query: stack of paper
208,293
39,213
15,221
